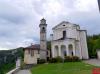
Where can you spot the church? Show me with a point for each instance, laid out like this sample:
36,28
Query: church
69,40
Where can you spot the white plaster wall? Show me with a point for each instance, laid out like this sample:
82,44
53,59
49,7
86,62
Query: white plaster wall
43,54
78,50
78,35
71,32
57,34
28,59
83,43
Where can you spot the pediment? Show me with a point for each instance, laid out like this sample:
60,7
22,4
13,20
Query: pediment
62,25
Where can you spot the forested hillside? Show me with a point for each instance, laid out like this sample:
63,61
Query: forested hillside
8,58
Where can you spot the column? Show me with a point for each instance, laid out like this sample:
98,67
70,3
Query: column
59,48
80,51
73,50
52,50
67,50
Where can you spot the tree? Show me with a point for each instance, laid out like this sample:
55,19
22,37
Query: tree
93,44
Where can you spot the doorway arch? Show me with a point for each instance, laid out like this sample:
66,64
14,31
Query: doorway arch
56,51
63,51
70,48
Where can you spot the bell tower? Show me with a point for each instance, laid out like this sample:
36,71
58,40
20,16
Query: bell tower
43,41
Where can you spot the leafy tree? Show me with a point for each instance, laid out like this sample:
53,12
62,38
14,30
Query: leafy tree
49,45
93,44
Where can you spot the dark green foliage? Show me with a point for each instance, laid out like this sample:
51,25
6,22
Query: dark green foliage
6,67
8,58
41,61
75,58
1,71
52,60
49,45
68,59
56,60
93,44
71,59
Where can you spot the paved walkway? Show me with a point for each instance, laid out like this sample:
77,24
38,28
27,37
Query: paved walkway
24,72
94,62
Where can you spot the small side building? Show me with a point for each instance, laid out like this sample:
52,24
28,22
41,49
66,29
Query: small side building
33,53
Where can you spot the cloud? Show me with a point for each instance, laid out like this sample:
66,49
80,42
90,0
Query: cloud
19,19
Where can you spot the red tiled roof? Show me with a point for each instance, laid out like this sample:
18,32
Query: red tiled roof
34,47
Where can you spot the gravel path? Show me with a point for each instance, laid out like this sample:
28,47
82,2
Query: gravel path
94,62
24,72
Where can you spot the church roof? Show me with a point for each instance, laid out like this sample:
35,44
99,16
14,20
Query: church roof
60,24
34,47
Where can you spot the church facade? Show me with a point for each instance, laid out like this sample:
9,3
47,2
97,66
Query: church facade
69,40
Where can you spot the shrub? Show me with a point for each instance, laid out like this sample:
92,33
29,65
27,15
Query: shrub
75,58
52,60
59,59
41,61
1,71
68,59
56,60
71,59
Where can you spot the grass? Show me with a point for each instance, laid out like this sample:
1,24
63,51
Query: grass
63,68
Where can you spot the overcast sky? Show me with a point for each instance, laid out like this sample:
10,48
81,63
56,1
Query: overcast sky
19,19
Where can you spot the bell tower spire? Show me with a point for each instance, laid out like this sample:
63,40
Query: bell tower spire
43,41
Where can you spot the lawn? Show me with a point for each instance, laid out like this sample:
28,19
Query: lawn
63,68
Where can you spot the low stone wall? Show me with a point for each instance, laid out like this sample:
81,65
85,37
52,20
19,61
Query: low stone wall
14,71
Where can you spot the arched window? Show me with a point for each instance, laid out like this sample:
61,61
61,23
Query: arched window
63,51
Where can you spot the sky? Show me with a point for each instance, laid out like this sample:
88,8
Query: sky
20,19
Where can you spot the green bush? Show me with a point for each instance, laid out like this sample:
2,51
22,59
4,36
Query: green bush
52,60
56,60
68,59
75,58
1,71
41,61
71,59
